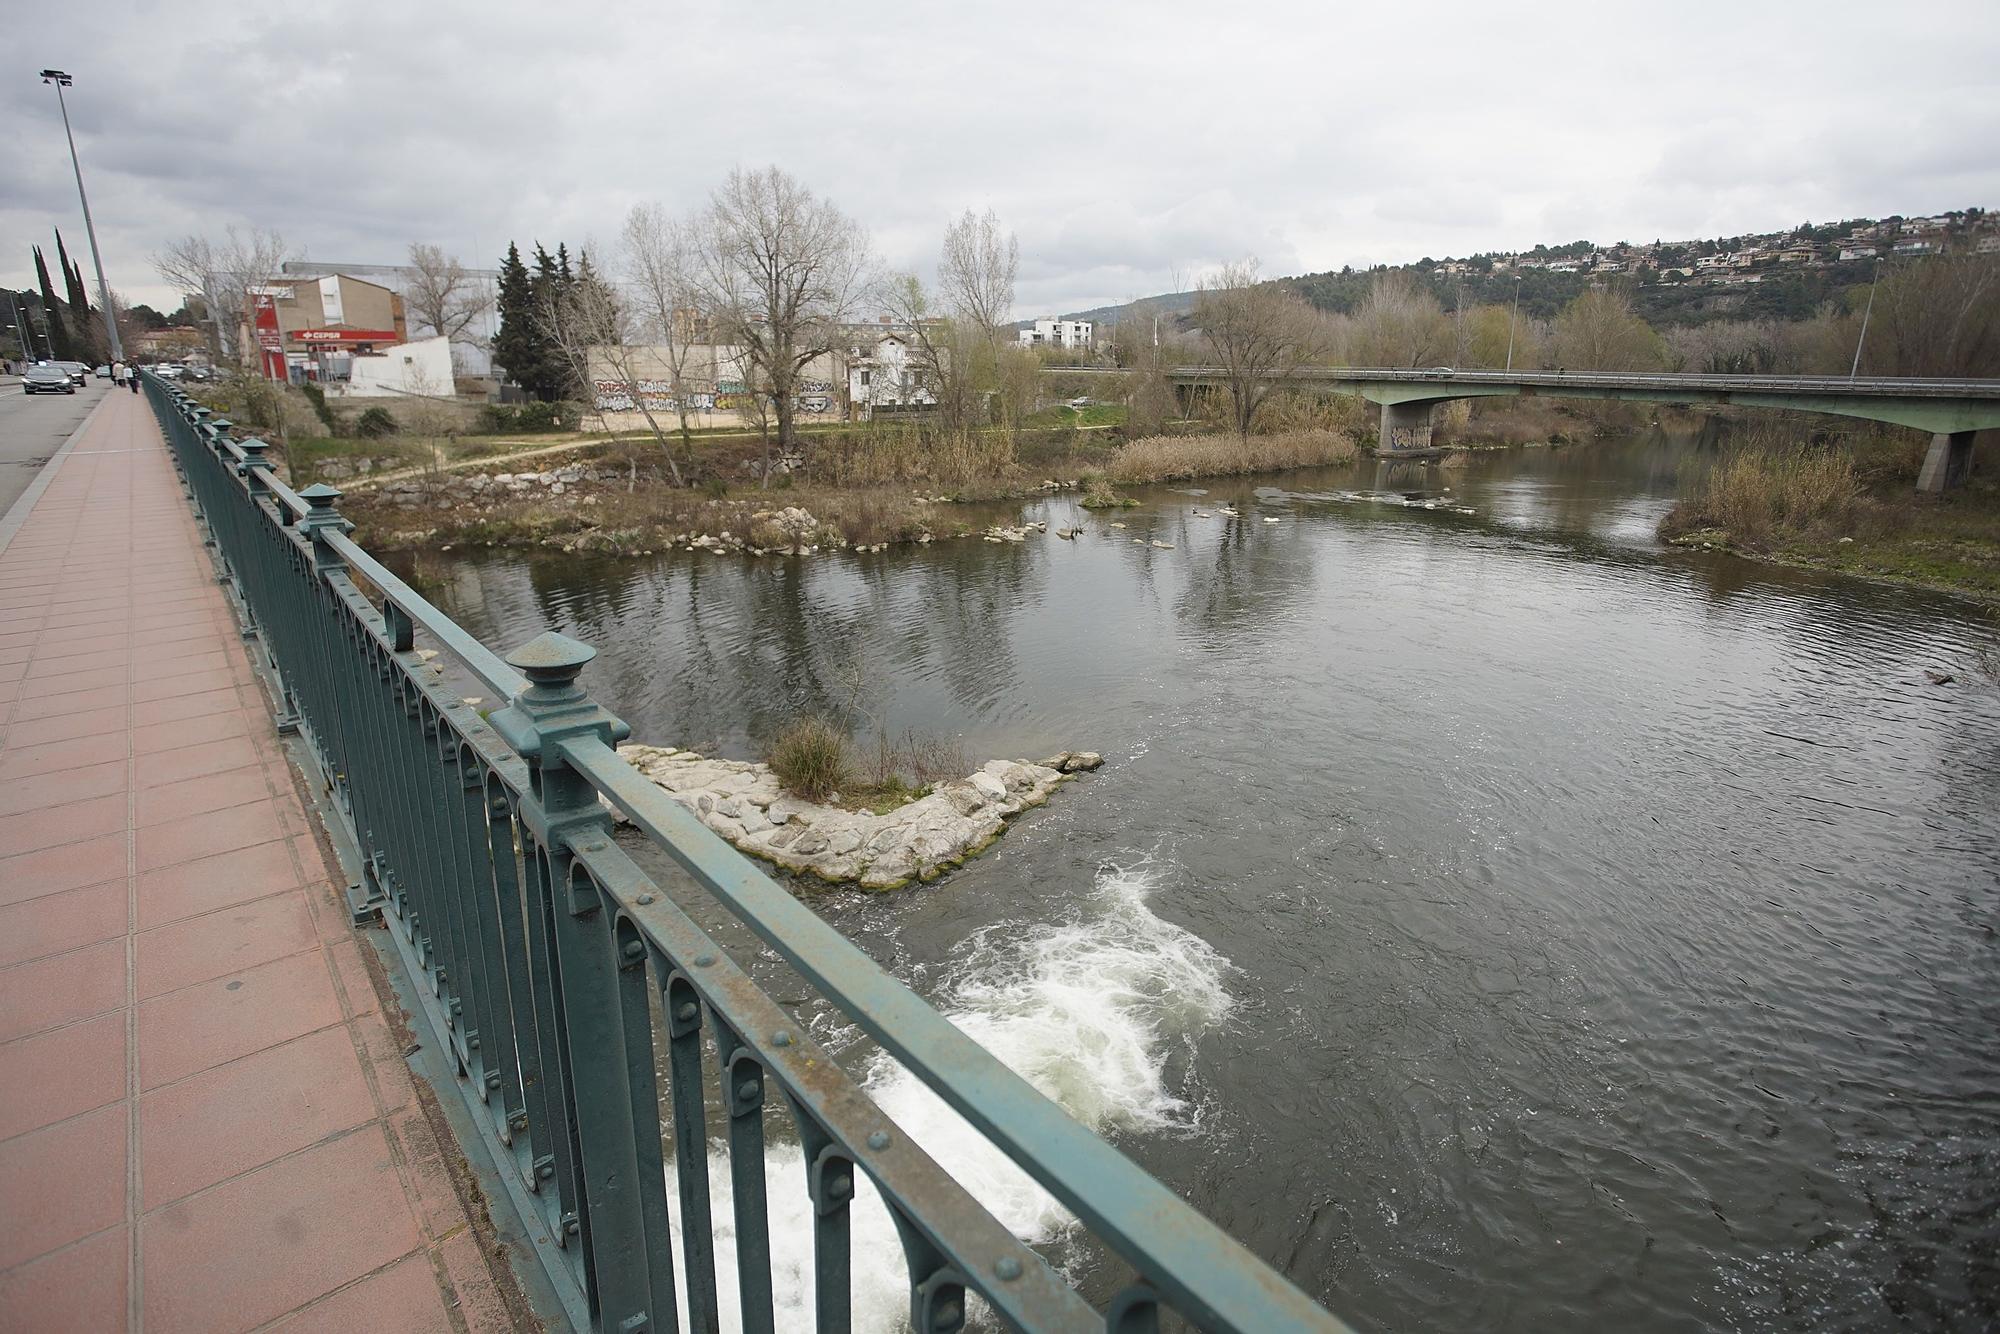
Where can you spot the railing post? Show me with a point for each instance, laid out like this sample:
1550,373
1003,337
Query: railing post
623,1214
322,520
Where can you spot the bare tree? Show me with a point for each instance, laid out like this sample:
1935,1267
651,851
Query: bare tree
442,296
1399,323
222,272
781,270
1259,333
589,327
663,274
977,271
1937,316
1600,331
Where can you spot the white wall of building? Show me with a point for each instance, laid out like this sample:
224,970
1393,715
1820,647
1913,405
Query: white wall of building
422,368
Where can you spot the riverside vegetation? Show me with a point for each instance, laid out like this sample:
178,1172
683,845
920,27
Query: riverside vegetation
1844,500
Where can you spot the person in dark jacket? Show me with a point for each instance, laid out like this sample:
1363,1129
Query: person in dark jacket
132,377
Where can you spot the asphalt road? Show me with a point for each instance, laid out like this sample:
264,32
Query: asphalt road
34,426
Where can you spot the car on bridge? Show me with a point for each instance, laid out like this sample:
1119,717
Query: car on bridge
46,379
79,373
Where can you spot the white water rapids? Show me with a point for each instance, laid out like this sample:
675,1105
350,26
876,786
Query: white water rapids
1087,1011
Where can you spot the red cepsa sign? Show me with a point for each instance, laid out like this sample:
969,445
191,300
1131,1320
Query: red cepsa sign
344,335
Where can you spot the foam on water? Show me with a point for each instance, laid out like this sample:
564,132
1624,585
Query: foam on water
1087,1011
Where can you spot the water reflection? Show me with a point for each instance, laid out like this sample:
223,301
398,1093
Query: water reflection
1610,930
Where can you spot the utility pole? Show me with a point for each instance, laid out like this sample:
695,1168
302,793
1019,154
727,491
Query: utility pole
1868,310
1516,310
62,81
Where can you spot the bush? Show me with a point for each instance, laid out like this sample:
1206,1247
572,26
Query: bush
1761,497
1162,458
810,759
1099,495
531,418
374,424
317,397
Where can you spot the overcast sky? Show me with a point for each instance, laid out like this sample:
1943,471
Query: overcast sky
1129,145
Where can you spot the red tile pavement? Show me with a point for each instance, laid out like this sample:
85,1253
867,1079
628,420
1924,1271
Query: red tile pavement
205,1120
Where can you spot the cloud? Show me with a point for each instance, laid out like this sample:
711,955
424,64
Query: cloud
1129,144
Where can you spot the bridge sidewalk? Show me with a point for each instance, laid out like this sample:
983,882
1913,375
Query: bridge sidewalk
206,1119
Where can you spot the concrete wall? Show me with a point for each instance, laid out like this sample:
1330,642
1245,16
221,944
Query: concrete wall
717,377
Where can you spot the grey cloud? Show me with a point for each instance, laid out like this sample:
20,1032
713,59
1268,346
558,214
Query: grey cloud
1126,143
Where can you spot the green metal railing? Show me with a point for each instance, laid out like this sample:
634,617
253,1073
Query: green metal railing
558,971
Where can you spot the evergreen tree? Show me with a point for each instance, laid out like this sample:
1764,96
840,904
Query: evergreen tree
514,344
52,312
84,337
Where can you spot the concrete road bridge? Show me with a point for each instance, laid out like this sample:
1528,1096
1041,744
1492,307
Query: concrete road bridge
1950,411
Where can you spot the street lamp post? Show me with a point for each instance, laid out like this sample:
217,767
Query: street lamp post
62,81
1510,321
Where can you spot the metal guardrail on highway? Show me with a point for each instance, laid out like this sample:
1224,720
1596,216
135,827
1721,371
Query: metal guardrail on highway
557,969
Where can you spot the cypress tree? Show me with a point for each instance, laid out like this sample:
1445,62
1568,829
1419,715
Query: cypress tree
83,335
52,312
514,344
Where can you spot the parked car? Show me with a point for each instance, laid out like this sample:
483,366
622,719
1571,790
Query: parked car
46,379
168,371
200,374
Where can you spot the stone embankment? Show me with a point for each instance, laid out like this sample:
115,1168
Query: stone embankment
742,801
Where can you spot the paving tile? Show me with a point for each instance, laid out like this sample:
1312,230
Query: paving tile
209,833
264,1244
34,761
177,801
402,1299
188,889
70,681
70,920
77,701
80,1287
184,732
55,1075
65,726
89,862
223,699
62,1183
61,988
239,1116
202,1026
197,949
208,757
68,823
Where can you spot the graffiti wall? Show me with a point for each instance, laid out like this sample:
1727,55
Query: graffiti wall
813,397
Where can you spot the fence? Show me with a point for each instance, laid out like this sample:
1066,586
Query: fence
570,986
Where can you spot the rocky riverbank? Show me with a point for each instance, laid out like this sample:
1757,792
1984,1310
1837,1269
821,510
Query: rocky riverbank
920,840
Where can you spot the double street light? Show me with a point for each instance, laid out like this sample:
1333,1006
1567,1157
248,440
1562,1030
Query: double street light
62,81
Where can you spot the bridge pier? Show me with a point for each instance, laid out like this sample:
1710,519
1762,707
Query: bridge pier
1405,427
1948,462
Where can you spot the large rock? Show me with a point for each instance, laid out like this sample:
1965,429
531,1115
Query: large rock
921,839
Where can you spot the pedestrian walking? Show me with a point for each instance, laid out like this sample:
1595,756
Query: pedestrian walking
132,376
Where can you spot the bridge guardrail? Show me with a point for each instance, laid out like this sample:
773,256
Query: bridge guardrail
556,969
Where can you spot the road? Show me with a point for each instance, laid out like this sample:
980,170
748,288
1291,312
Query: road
34,426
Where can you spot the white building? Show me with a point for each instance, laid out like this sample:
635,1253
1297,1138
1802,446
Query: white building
1073,334
422,369
1850,253
472,349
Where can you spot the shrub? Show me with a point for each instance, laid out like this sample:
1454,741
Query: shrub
1763,496
531,418
374,424
810,759
1162,458
317,397
1098,494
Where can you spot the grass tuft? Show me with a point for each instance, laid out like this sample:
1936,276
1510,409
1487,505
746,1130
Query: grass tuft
810,759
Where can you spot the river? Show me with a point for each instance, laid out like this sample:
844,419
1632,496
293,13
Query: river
1495,920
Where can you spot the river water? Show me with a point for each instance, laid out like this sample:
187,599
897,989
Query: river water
1495,920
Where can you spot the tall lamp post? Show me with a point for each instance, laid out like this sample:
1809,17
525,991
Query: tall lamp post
1516,310
62,81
